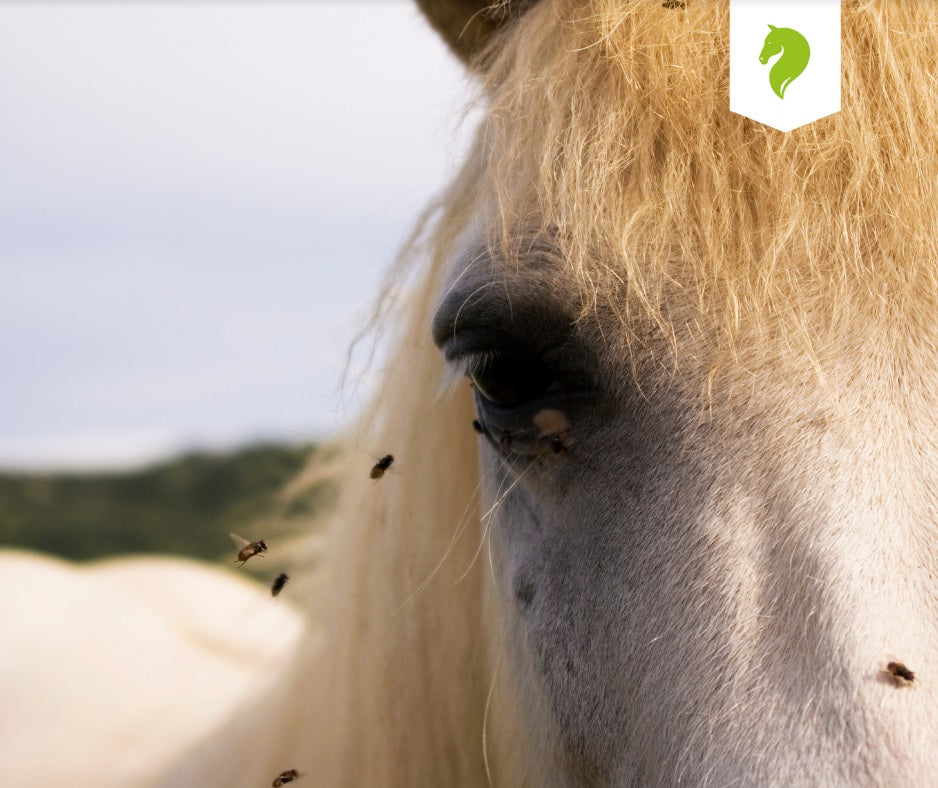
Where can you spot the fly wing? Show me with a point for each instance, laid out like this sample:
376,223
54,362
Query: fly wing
239,541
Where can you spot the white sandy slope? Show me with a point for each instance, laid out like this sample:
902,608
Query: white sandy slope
111,671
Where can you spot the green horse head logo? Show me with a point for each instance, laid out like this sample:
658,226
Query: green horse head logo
793,61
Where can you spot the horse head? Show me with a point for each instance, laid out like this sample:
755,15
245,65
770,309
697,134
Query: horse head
770,47
702,359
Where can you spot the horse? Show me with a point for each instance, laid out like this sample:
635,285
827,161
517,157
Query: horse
112,669
663,398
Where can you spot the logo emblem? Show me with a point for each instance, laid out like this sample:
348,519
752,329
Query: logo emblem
795,56
797,83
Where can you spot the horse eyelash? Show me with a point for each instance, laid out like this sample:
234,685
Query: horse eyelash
465,365
474,363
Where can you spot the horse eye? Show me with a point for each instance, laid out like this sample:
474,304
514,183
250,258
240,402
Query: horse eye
512,380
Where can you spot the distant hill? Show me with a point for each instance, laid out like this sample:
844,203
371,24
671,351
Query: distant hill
186,506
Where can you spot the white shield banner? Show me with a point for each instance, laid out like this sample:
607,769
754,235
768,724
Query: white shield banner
785,61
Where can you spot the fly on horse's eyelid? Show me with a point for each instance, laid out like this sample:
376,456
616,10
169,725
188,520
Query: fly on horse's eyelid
553,424
477,426
900,674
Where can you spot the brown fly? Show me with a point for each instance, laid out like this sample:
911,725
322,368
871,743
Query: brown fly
377,471
286,777
247,549
901,675
279,583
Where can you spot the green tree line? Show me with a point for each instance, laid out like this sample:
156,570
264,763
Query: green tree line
185,506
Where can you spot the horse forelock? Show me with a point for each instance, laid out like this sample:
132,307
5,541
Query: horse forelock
609,129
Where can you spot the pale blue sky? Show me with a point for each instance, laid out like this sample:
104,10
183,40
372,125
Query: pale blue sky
196,203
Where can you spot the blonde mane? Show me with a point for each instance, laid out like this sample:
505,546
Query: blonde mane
609,126
608,129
